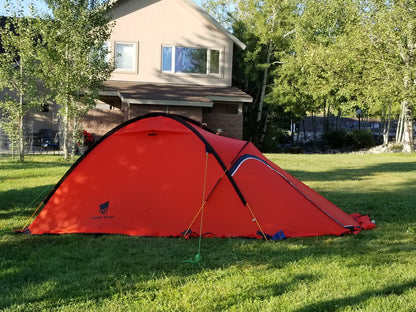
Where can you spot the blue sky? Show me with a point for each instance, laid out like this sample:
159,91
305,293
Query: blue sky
41,6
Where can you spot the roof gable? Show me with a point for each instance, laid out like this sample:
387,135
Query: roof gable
215,23
207,17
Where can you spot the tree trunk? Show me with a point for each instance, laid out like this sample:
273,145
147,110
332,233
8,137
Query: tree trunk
74,139
264,84
387,127
399,130
262,130
409,85
21,141
407,128
314,127
66,131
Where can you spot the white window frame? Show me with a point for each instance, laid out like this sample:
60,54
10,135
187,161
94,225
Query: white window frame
209,62
172,65
208,72
133,68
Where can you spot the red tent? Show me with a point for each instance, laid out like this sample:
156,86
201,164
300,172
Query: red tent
162,175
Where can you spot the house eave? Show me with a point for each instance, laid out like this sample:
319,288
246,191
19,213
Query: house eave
173,95
230,99
166,102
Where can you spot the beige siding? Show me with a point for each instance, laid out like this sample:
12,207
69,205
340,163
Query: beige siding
151,24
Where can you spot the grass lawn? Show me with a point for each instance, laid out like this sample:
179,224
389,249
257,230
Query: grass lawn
372,271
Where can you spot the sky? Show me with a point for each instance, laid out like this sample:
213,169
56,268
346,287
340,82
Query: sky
41,6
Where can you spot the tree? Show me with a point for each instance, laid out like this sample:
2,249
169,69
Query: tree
73,58
391,26
404,21
322,71
266,27
19,73
338,62
339,55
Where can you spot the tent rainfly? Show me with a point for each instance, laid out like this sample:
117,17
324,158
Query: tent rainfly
164,175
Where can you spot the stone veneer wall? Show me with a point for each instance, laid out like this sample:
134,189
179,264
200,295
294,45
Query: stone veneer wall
194,113
230,124
99,121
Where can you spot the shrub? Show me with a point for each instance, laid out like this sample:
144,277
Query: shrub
335,138
274,138
360,138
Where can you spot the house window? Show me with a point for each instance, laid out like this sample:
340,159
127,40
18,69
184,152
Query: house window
214,61
190,60
125,56
167,59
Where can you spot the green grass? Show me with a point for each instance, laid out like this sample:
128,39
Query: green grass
372,271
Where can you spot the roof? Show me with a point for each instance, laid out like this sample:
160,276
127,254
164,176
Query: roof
173,94
215,23
210,19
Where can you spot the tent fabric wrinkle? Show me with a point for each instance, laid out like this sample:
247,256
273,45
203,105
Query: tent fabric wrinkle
165,175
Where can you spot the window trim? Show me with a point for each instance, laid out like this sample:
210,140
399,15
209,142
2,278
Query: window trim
172,62
208,72
135,58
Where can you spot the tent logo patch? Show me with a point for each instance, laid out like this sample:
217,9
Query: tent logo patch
104,207
103,210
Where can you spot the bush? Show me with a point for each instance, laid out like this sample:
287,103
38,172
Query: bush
360,138
356,139
335,138
274,138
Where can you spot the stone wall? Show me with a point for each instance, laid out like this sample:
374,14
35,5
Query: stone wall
99,121
194,113
230,124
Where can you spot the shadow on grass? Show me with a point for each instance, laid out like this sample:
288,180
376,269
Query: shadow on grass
76,268
63,269
10,200
69,268
335,304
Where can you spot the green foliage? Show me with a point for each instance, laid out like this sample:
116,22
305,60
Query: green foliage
73,58
372,271
335,138
356,139
19,74
340,55
360,138
265,27
274,139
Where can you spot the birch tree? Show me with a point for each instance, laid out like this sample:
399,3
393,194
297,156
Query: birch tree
74,59
392,31
19,72
269,25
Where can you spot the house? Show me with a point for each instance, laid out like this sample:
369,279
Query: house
169,56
